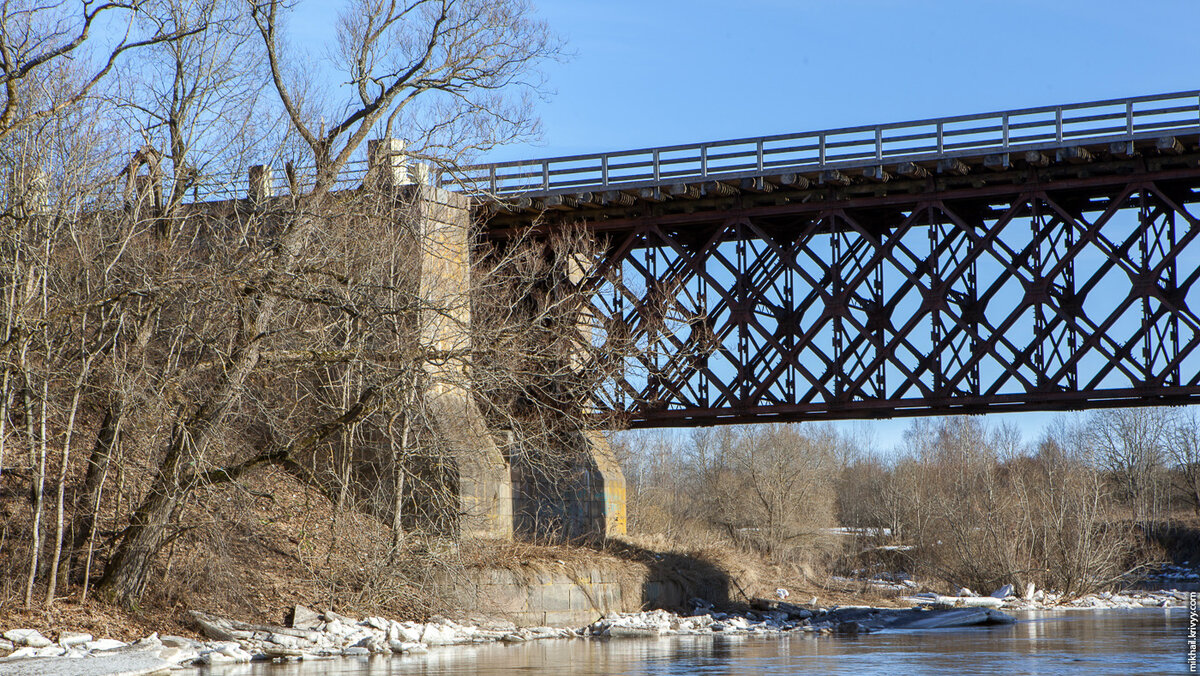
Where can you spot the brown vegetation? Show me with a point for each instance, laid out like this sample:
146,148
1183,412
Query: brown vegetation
161,363
959,503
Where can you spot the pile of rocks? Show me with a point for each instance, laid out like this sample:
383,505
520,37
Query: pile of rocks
29,652
1047,600
329,634
663,623
31,643
326,635
310,636
1170,571
784,617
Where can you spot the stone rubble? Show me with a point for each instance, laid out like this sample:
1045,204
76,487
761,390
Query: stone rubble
1007,597
1044,600
328,635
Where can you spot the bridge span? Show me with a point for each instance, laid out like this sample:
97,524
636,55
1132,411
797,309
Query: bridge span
1035,259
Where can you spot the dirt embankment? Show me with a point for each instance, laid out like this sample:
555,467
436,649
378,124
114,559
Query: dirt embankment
253,551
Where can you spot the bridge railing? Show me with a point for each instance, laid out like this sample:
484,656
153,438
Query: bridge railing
1046,127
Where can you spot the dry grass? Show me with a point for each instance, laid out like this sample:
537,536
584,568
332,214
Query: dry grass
252,553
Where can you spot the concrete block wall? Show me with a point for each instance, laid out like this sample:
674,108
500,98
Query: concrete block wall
572,596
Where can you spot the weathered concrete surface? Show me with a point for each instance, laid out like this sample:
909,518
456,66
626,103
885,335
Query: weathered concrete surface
576,595
581,500
605,504
129,664
586,503
442,252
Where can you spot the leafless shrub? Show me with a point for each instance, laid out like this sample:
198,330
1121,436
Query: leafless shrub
969,505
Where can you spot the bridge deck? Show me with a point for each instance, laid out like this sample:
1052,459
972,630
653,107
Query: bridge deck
1035,259
994,140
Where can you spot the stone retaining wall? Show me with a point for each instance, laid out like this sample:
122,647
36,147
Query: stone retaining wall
572,597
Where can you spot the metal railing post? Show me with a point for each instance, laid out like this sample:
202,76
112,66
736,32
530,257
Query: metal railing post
760,155
492,173
941,138
704,161
657,171
1004,125
604,170
546,175
1129,119
1058,124
879,144
821,149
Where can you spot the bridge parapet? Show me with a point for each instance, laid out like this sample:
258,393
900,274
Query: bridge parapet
1116,126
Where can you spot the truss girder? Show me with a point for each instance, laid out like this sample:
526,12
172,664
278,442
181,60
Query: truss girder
1037,299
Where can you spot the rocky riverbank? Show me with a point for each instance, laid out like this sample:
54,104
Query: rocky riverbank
1030,598
311,635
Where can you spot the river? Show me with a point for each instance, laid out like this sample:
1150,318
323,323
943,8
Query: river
1145,641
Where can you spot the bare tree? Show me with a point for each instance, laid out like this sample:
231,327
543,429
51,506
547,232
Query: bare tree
1184,450
293,274
39,40
1131,445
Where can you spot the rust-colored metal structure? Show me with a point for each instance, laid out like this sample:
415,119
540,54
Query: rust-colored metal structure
1025,260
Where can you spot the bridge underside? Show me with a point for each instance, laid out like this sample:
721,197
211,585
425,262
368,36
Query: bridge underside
1066,286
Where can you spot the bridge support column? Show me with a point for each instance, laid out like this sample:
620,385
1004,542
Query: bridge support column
482,481
573,492
602,501
600,495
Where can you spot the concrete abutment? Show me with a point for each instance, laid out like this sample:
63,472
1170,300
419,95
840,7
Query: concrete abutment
497,497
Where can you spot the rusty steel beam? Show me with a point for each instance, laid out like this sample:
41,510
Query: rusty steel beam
1040,294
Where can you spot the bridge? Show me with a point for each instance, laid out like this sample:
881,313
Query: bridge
1034,259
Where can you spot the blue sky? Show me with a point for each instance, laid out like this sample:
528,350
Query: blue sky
656,72
659,72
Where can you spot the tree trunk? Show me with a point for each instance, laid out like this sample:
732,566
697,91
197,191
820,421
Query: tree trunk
126,574
38,489
60,495
97,469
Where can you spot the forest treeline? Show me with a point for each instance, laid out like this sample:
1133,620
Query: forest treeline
958,500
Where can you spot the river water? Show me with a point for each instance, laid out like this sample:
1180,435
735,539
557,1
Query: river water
1144,641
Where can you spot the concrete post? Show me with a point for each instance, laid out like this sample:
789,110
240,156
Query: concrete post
387,166
262,185
139,189
28,191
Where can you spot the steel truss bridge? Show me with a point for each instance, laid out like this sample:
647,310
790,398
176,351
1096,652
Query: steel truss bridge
1035,259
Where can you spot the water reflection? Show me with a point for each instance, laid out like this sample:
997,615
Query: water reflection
1151,641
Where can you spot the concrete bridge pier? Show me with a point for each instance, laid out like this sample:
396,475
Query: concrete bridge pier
601,491
498,496
575,493
495,495
482,481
